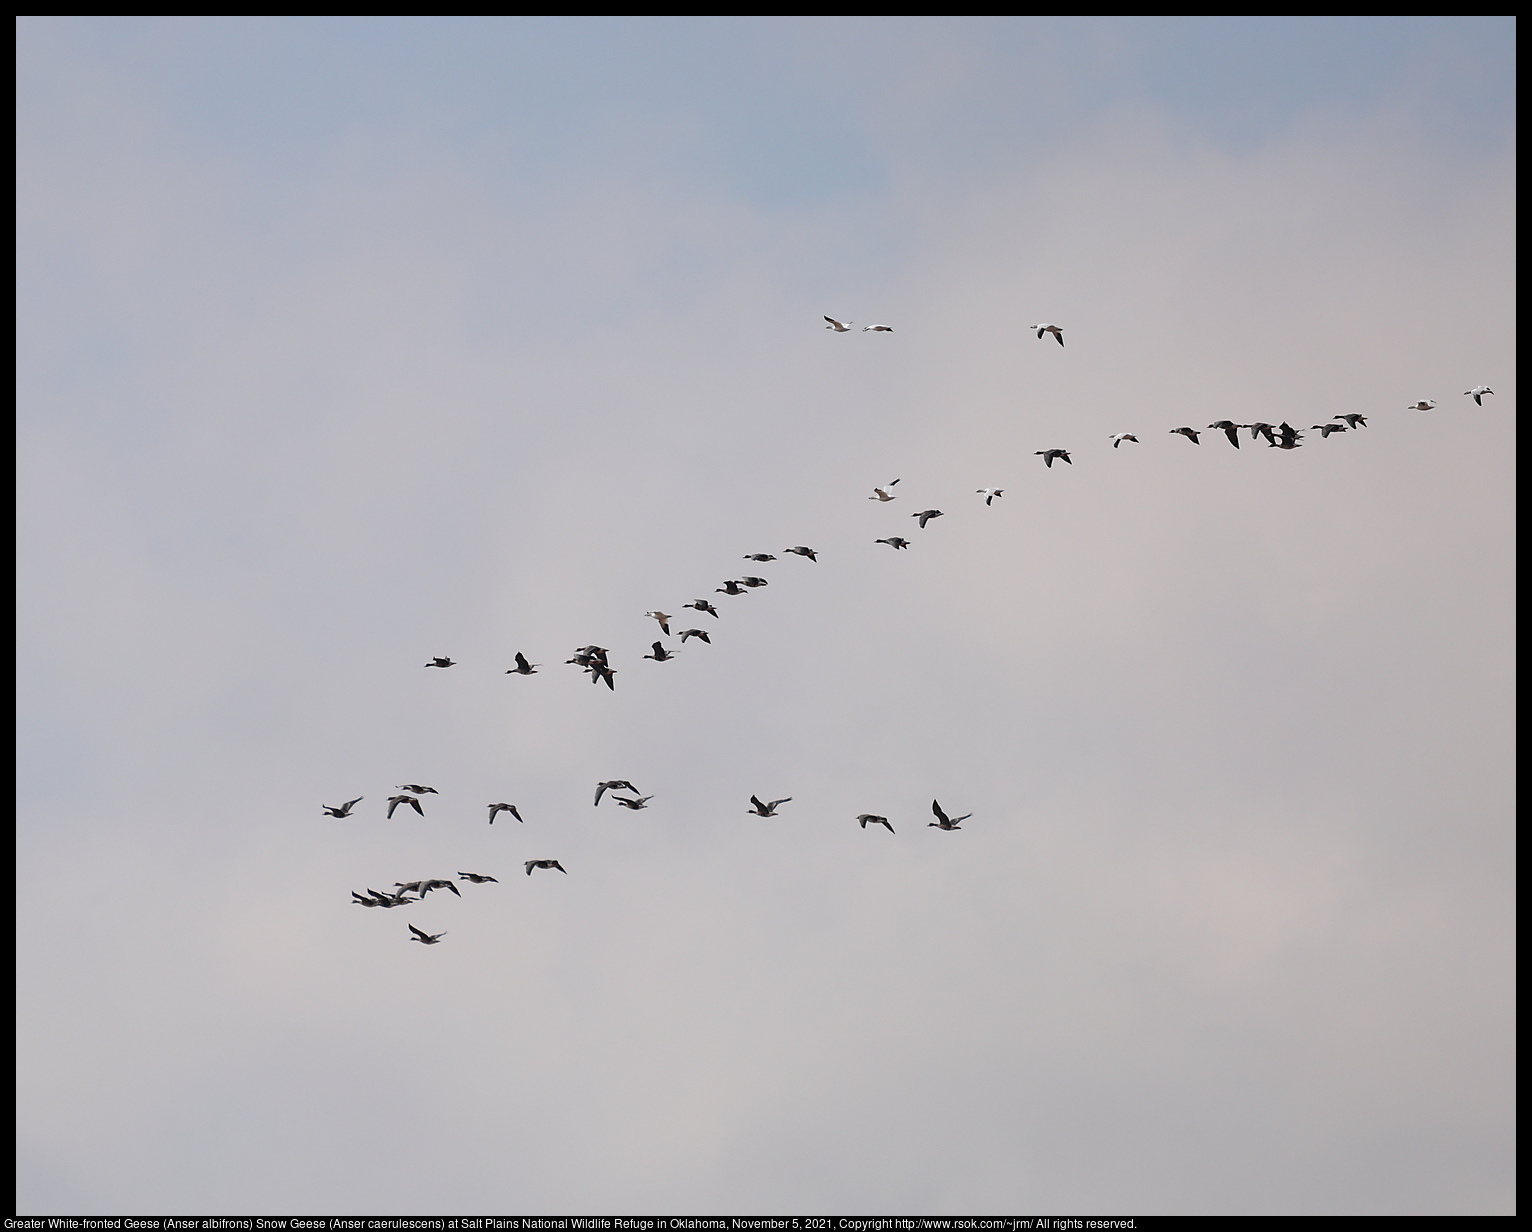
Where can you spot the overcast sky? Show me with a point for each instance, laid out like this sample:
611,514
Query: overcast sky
345,343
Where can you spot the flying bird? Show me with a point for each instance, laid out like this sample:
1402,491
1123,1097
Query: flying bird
760,556
1119,437
752,582
702,605
989,494
664,620
395,801
640,802
344,810
1353,420
1047,455
881,494
766,810
1324,430
478,878
496,809
803,551
728,588
702,633
441,663
523,668
896,542
1425,406
390,900
1262,429
531,864
878,329
1189,433
926,515
365,900
417,789
425,938
614,784
1050,329
840,327
943,821
600,671
436,883
1291,437
1477,393
864,818
660,654
1229,429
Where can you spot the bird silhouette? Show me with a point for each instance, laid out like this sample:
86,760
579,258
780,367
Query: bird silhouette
943,821
344,810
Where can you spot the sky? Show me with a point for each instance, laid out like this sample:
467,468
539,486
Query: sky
345,343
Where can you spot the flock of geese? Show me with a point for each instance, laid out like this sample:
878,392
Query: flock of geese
593,660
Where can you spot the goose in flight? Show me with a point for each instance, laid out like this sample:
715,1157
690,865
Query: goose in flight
385,899
1477,393
496,809
943,821
926,515
1050,329
895,542
881,494
425,938
478,878
1291,437
1262,429
702,605
365,900
803,551
638,803
600,671
760,556
408,887
436,883
523,668
344,810
989,494
435,662
614,784
1324,430
878,329
752,582
1190,434
1230,429
660,654
417,789
1119,437
840,327
728,588
1047,455
531,864
702,633
395,801
664,619
766,810
1352,421
864,818
1425,406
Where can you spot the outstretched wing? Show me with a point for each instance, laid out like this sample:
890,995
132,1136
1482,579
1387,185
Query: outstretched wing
774,803
418,933
940,816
